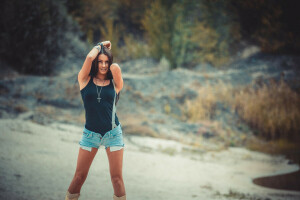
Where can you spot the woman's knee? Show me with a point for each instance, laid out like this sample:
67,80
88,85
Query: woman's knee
117,180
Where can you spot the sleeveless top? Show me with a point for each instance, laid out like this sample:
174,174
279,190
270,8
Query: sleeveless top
99,117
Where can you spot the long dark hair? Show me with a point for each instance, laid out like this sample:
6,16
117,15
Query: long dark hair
95,68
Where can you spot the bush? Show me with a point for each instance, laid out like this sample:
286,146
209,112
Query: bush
270,109
270,24
133,48
204,106
189,32
158,26
33,34
110,31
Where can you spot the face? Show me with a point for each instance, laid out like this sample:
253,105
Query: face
102,64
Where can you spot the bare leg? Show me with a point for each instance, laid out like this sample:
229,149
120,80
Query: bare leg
84,161
115,159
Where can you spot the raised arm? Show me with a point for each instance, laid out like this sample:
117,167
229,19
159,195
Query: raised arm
86,67
117,76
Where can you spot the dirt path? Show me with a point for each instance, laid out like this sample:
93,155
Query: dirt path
38,162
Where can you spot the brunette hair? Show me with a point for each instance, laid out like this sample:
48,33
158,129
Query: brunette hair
94,68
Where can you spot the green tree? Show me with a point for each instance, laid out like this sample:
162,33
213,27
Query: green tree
188,32
158,26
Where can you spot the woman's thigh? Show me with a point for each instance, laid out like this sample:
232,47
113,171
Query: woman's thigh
84,160
115,159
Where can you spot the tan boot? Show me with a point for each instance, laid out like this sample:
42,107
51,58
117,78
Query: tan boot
72,196
119,198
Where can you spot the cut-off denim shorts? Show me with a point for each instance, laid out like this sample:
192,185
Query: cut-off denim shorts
112,139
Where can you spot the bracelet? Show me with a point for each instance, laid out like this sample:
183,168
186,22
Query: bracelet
97,47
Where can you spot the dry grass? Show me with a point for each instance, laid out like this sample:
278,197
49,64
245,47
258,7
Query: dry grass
57,114
127,88
168,150
137,97
141,130
133,48
203,107
272,110
38,95
70,117
232,194
72,92
46,110
280,146
20,108
137,125
167,108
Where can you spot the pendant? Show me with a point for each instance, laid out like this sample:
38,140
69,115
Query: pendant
99,99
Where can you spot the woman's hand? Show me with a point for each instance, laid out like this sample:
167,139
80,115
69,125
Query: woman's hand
107,44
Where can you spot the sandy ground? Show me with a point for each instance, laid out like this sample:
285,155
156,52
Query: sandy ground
38,162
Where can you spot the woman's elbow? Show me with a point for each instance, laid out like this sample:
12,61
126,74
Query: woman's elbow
121,84
89,57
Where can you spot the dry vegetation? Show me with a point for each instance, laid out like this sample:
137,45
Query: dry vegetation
47,110
271,109
203,107
133,49
136,125
280,146
20,108
71,91
79,119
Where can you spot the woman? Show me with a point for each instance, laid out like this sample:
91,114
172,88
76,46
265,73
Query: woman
100,82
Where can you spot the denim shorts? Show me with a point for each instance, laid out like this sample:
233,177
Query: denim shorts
112,139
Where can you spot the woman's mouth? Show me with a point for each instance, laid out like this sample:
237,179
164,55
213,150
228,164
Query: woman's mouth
103,69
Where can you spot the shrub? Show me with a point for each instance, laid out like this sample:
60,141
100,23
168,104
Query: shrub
203,109
133,48
111,31
204,106
157,24
270,24
33,34
272,109
189,32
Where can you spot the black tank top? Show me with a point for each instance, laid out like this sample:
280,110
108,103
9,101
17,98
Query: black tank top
98,116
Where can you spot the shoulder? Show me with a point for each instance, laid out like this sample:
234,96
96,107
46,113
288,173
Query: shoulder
83,83
83,79
115,66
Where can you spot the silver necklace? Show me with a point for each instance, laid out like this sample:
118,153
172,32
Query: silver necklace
99,93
